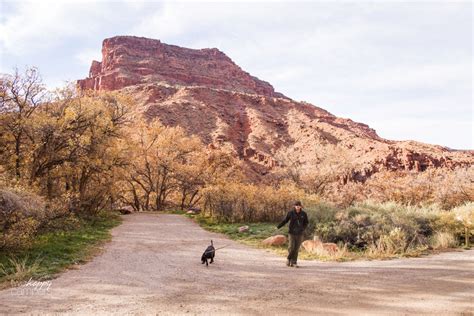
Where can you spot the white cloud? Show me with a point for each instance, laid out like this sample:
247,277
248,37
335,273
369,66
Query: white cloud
86,56
40,23
43,25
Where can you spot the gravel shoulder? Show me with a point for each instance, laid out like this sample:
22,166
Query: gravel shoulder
152,266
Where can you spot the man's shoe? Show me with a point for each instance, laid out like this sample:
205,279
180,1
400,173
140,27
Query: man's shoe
287,263
295,265
291,264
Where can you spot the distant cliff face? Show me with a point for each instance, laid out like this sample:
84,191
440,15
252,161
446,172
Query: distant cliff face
130,60
207,94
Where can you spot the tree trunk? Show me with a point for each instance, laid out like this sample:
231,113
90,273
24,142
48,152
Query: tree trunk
183,198
466,236
17,156
49,186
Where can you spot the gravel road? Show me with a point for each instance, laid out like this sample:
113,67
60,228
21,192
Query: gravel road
152,267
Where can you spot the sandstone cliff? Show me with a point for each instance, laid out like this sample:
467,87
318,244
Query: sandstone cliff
206,93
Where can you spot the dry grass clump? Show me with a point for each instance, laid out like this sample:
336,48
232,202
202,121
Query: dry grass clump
443,240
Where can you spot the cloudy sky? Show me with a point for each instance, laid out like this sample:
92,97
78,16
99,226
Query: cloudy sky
404,68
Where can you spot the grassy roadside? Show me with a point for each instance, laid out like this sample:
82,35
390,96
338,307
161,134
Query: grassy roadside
56,251
260,231
257,231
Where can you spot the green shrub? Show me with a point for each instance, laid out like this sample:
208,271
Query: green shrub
385,228
321,219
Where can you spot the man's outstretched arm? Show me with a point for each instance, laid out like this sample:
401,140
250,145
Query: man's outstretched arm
287,218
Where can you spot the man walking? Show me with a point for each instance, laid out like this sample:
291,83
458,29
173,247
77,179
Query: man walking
298,222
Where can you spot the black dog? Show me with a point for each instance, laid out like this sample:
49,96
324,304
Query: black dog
209,253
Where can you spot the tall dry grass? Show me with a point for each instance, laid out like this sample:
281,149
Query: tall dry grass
19,269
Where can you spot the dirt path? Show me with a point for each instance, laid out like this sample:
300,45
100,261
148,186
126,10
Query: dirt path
152,266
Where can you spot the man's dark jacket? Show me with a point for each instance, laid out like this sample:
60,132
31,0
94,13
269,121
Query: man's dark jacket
298,222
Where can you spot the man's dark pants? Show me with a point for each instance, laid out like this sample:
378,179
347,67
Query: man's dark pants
294,244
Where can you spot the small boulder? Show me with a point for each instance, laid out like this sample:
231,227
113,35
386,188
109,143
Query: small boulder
243,229
315,245
277,240
309,246
127,209
193,210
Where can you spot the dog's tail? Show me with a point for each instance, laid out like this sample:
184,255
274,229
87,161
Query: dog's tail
212,243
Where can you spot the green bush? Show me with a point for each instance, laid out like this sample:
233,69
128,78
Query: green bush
386,228
321,219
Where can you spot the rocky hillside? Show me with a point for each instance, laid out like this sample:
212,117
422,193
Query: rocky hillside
206,93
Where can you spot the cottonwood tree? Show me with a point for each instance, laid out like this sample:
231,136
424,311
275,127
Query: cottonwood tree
74,149
20,96
169,168
207,167
334,166
163,160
